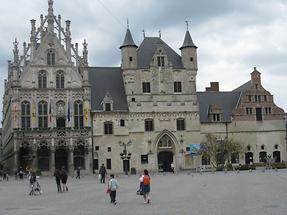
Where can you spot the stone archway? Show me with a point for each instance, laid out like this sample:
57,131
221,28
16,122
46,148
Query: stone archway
165,153
248,158
61,158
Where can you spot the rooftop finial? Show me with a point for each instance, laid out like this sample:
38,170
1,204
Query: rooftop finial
159,33
16,51
187,23
50,16
143,33
128,24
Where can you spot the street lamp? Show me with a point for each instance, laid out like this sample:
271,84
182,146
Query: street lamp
125,155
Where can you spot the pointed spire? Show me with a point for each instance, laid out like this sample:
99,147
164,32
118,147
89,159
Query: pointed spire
128,41
50,16
187,39
85,52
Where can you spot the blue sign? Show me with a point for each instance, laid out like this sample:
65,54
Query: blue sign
194,148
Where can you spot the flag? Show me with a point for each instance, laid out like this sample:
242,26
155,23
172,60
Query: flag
69,112
87,112
33,112
50,111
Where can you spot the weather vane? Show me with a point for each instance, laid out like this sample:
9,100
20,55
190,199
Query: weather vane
187,23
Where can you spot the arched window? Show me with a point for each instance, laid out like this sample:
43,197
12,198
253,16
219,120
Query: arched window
51,57
60,79
42,79
263,157
78,114
43,114
25,115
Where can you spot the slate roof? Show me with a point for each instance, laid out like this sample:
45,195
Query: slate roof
147,49
128,41
243,87
226,100
187,41
107,79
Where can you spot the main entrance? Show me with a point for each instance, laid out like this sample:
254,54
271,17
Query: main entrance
165,158
165,154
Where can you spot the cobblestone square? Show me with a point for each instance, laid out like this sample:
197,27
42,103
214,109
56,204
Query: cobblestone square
217,194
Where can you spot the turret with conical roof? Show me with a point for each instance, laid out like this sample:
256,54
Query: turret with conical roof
188,52
129,51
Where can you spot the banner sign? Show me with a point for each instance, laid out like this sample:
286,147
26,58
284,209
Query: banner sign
194,148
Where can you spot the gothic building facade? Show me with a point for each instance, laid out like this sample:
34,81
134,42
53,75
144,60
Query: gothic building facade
60,111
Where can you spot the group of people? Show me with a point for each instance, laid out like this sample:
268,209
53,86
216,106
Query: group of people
61,177
144,188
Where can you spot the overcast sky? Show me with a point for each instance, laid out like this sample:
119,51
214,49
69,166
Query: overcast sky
232,36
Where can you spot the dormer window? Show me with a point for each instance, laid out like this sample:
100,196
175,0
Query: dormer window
216,117
108,107
107,103
51,57
160,61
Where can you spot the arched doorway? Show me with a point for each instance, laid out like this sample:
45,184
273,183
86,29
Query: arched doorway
79,157
43,154
61,158
165,154
25,158
248,157
263,157
165,158
277,156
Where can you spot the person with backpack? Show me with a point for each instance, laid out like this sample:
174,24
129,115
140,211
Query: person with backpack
112,187
103,173
145,179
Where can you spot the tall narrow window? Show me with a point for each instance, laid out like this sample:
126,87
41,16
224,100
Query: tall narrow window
60,79
160,61
259,114
42,114
25,115
51,57
177,86
108,128
149,125
180,124
78,115
249,111
108,107
216,117
146,87
267,110
42,79
109,163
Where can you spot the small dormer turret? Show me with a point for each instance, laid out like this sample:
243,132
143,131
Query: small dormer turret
255,78
188,52
129,51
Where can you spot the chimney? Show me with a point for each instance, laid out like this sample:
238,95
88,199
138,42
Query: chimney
214,87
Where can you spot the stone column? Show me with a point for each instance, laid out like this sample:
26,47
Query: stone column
35,158
16,159
71,159
89,160
52,159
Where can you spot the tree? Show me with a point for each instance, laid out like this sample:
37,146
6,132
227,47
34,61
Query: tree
219,151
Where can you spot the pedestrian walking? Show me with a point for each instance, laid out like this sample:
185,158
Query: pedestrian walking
57,175
78,173
112,187
145,179
64,178
103,173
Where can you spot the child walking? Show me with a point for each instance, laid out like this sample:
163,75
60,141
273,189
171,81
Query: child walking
113,186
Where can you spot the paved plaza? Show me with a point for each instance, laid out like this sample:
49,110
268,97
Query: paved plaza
215,194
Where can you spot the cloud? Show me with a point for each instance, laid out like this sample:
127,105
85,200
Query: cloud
232,36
